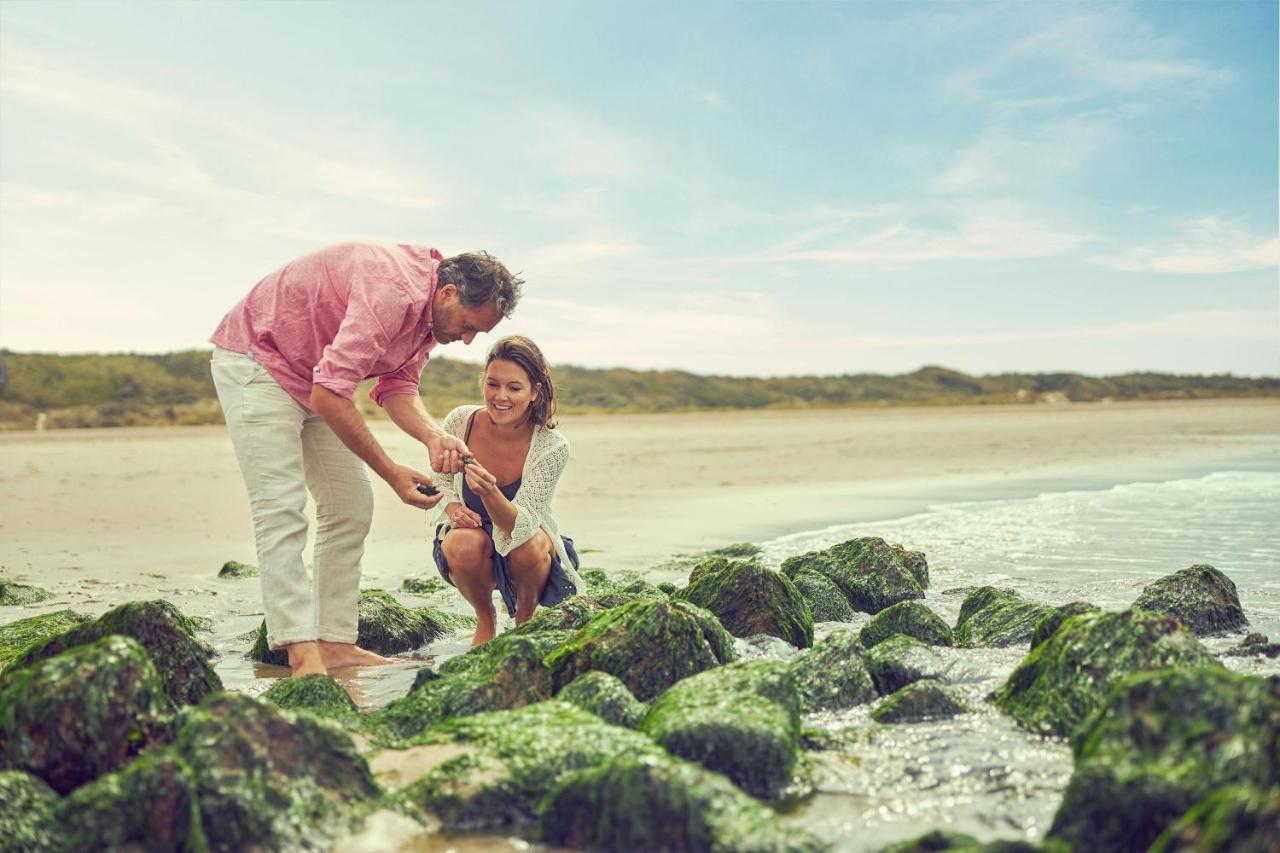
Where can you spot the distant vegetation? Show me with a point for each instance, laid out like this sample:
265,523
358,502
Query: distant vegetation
175,388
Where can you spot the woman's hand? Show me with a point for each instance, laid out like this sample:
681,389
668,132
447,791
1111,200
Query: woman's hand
481,481
461,517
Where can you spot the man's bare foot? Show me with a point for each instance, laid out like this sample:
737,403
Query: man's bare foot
336,655
305,659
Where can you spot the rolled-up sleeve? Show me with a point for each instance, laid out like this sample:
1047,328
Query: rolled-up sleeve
376,309
403,380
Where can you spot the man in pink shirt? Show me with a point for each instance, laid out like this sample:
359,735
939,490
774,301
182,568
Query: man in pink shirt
287,360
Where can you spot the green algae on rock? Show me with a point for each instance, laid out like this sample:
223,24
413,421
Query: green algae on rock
901,660
996,617
919,702
86,712
1162,742
649,645
870,572
749,598
569,615
181,660
237,569
958,842
1240,818
614,590
742,720
28,813
833,675
1049,625
655,802
269,779
318,694
17,637
910,618
423,586
1201,597
1254,645
20,594
150,805
826,602
605,696
1067,677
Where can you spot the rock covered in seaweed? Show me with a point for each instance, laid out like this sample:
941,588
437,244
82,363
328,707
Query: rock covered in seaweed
1049,625
423,586
902,660
614,590
1067,677
28,813
921,701
20,594
81,714
833,675
826,602
1240,818
648,644
997,617
236,569
605,696
870,572
1254,645
150,805
318,694
742,720
1201,597
910,618
1164,741
656,802
17,637
749,598
939,840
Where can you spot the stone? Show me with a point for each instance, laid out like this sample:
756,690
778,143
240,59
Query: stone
1164,741
648,644
28,813
1048,626
20,594
1066,678
870,572
919,702
605,696
1239,818
749,598
1201,597
618,588
910,618
150,805
826,602
939,840
318,694
901,660
991,617
233,569
86,712
1254,645
742,720
424,586
17,637
833,675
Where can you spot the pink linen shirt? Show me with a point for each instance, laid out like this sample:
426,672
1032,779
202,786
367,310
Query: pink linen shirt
340,315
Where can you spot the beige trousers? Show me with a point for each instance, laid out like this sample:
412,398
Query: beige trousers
284,450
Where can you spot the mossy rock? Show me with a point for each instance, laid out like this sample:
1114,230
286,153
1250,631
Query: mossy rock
236,569
958,842
605,696
919,702
1067,677
492,769
318,694
660,803
28,814
269,779
1254,645
910,618
81,714
742,720
569,615
833,675
826,602
1162,742
180,659
915,562
505,673
649,645
424,586
1240,818
1049,625
749,598
901,660
991,617
618,588
870,572
20,594
1201,597
17,637
153,804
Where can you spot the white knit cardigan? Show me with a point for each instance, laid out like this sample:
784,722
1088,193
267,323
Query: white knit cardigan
545,462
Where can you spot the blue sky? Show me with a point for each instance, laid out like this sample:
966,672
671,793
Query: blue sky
743,188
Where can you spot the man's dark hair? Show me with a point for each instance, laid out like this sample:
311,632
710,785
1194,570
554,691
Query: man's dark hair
481,278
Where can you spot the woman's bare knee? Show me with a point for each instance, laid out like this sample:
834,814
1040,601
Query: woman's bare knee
466,546
532,556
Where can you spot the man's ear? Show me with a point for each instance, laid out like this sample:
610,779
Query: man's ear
447,290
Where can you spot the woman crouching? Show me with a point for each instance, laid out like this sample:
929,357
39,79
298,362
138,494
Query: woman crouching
496,529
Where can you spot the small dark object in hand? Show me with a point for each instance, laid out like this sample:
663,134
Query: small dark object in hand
428,490
468,460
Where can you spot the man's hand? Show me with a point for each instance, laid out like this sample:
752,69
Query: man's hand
446,453
404,482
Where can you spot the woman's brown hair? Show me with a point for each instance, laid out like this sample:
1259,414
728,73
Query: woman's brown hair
524,352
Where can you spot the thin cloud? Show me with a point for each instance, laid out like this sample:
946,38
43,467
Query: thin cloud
1204,246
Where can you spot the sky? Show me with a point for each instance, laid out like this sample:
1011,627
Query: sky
736,188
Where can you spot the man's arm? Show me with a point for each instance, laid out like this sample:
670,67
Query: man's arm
408,413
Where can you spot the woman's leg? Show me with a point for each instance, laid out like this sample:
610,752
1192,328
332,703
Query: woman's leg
469,553
528,566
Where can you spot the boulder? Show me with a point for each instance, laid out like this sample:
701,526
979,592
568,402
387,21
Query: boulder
648,644
658,803
267,779
1162,742
86,712
749,598
902,660
569,615
1254,645
605,696
180,659
20,594
618,588
235,569
318,694
150,805
424,586
991,617
1049,625
742,720
870,572
1067,677
919,702
939,840
1201,597
28,814
1239,818
826,602
17,637
910,618
833,675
